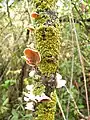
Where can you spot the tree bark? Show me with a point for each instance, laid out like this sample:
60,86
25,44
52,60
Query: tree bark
48,44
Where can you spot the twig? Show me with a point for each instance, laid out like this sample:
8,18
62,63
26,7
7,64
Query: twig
76,107
72,66
28,9
86,60
8,13
81,60
80,16
1,77
60,106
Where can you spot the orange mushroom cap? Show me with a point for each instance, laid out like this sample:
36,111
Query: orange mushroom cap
34,15
32,56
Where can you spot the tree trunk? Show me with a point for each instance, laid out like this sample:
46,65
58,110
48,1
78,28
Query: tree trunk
48,44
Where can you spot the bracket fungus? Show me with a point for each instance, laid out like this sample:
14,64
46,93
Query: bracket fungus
32,57
34,15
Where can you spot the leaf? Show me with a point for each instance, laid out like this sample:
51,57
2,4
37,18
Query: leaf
6,101
14,112
1,0
89,1
15,115
81,106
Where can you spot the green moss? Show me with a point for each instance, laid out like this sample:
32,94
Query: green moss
47,43
46,109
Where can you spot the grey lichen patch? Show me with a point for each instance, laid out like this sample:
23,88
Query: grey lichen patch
48,44
46,10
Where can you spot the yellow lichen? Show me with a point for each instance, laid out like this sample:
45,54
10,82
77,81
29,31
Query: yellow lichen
47,42
45,3
46,110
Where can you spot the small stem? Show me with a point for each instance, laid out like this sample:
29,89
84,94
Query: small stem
81,59
8,13
72,66
28,9
80,16
59,104
76,107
